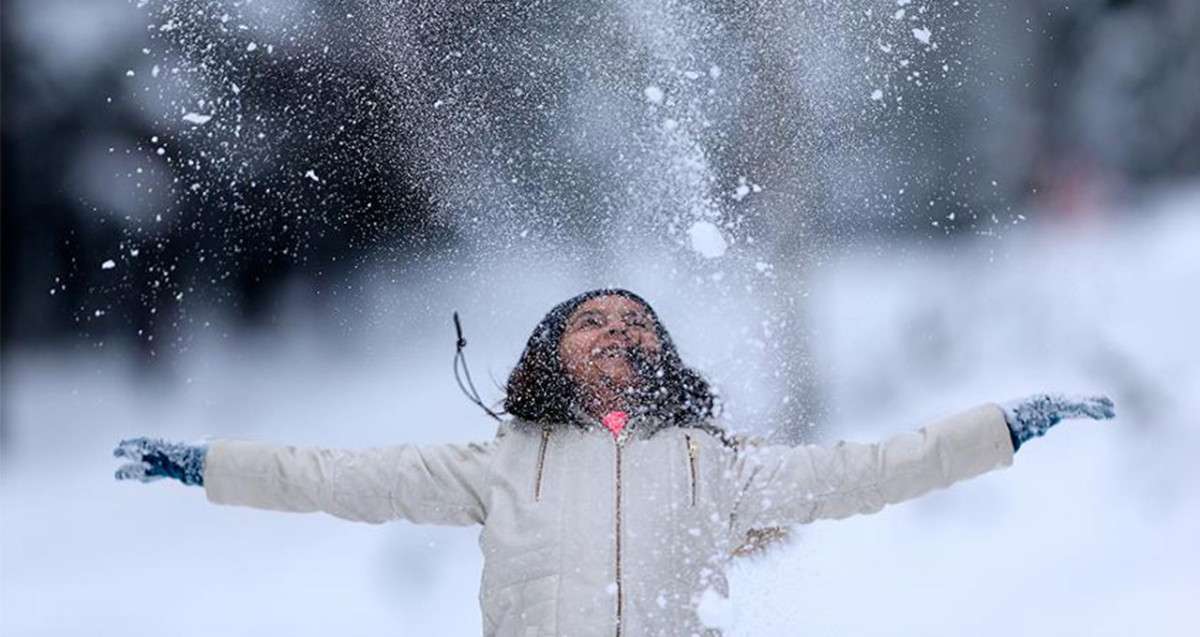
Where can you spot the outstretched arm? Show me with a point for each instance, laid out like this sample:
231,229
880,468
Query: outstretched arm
781,485
436,484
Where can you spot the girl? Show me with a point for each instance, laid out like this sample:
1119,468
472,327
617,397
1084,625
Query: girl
613,498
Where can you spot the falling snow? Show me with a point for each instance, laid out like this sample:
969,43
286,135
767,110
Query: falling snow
707,239
196,118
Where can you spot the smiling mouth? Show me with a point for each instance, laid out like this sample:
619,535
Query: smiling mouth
611,351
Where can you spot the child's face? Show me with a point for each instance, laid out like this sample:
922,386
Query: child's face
599,334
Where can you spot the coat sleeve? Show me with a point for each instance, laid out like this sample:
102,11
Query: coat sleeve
436,484
778,485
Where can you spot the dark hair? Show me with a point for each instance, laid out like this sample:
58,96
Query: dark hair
540,390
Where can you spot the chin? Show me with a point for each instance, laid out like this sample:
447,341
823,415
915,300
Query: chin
620,382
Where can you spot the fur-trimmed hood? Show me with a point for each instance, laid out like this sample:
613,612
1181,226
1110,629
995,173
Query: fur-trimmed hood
540,390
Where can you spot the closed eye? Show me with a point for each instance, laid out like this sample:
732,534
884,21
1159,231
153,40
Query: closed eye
634,319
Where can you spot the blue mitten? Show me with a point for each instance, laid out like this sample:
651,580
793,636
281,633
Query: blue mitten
154,458
1032,416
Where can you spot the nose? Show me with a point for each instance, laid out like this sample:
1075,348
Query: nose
617,325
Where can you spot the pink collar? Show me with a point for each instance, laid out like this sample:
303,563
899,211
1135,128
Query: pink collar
615,422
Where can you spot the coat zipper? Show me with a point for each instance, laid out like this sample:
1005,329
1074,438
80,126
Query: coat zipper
619,440
537,486
693,452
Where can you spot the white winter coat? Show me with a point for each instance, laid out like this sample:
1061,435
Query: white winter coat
584,534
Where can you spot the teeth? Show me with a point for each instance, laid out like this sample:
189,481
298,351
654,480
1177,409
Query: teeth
610,351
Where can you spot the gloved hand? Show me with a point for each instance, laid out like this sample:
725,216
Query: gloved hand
154,458
1032,416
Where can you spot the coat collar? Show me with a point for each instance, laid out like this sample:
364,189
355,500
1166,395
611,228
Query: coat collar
639,425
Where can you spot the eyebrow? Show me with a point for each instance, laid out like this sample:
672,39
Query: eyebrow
642,315
582,314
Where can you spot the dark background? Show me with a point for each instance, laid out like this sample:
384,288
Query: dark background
1096,100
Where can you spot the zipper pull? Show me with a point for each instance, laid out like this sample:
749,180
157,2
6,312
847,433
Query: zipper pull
693,451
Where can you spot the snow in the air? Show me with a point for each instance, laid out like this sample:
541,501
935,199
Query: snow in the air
654,94
707,239
197,118
717,611
632,148
744,188
1086,516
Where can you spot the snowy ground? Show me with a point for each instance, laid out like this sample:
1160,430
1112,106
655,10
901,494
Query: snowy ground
1092,531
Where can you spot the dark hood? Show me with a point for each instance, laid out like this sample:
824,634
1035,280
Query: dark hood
539,390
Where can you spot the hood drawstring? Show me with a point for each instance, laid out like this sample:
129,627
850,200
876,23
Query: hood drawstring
460,358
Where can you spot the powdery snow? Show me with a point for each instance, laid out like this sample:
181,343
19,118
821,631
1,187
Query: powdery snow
197,118
707,239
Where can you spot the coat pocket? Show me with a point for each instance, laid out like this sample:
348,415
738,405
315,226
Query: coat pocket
541,464
693,455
